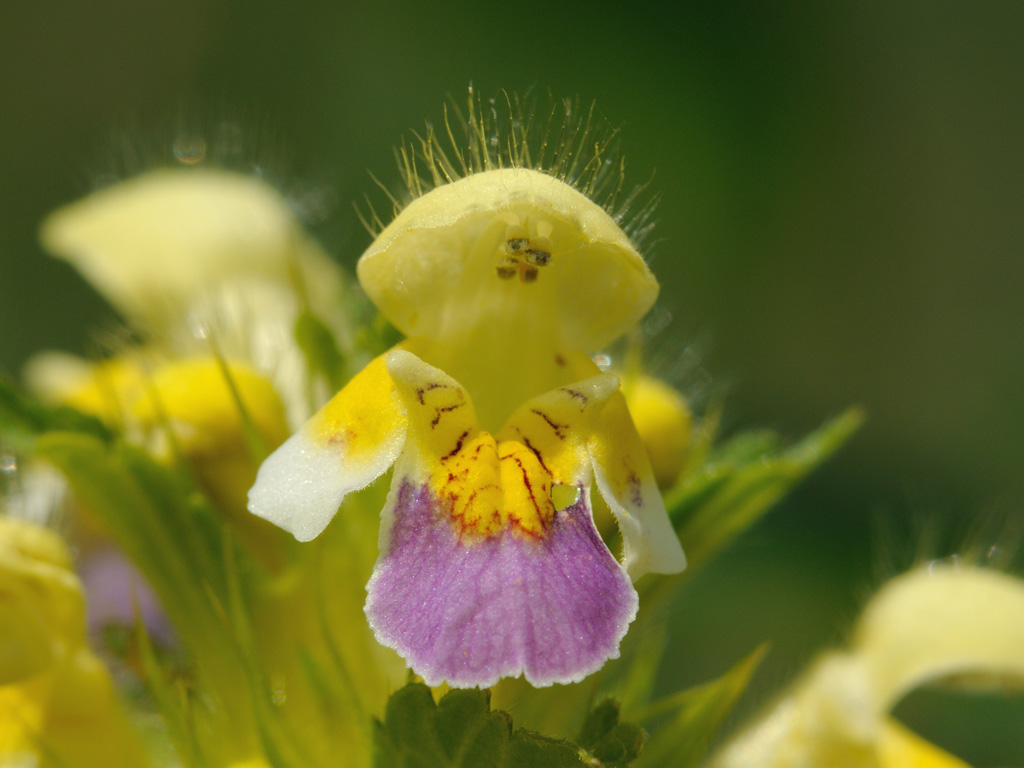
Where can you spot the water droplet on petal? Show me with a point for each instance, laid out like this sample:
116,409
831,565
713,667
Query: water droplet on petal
564,495
603,361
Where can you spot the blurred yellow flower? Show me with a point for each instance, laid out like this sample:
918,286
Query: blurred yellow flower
194,256
56,697
936,623
664,423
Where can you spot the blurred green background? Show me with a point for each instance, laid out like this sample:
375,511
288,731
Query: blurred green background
842,190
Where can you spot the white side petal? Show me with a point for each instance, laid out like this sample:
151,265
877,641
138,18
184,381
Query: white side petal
301,485
626,481
650,544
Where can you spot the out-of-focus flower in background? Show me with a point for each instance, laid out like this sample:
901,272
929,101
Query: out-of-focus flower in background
56,696
194,255
958,625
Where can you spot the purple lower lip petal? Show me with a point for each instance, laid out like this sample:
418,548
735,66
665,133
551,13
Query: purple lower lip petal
473,611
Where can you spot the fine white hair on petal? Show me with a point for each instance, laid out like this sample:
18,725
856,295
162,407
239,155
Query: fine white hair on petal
301,485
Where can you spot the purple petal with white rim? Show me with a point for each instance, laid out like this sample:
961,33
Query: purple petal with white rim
472,612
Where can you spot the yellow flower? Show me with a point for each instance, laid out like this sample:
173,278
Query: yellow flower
935,623
220,416
215,275
56,697
497,422
152,243
194,256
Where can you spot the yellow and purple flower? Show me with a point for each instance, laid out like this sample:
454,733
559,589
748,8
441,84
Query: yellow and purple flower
497,423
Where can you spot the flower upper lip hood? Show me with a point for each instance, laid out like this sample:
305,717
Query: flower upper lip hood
441,248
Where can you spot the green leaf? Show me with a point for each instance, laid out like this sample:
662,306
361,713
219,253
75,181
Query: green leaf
612,743
461,731
742,479
531,750
320,349
696,715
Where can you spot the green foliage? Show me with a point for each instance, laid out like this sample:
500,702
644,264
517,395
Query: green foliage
320,349
742,479
153,513
612,743
170,531
696,715
461,731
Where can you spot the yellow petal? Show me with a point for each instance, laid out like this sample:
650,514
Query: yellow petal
440,413
25,640
556,425
63,702
446,449
349,443
21,715
202,399
487,481
936,622
940,622
900,748
41,607
436,270
150,243
103,389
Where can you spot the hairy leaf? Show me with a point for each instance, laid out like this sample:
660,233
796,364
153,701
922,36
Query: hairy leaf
461,731
612,743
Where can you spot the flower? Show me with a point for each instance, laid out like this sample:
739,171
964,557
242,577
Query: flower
244,320
942,622
56,696
497,423
199,256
